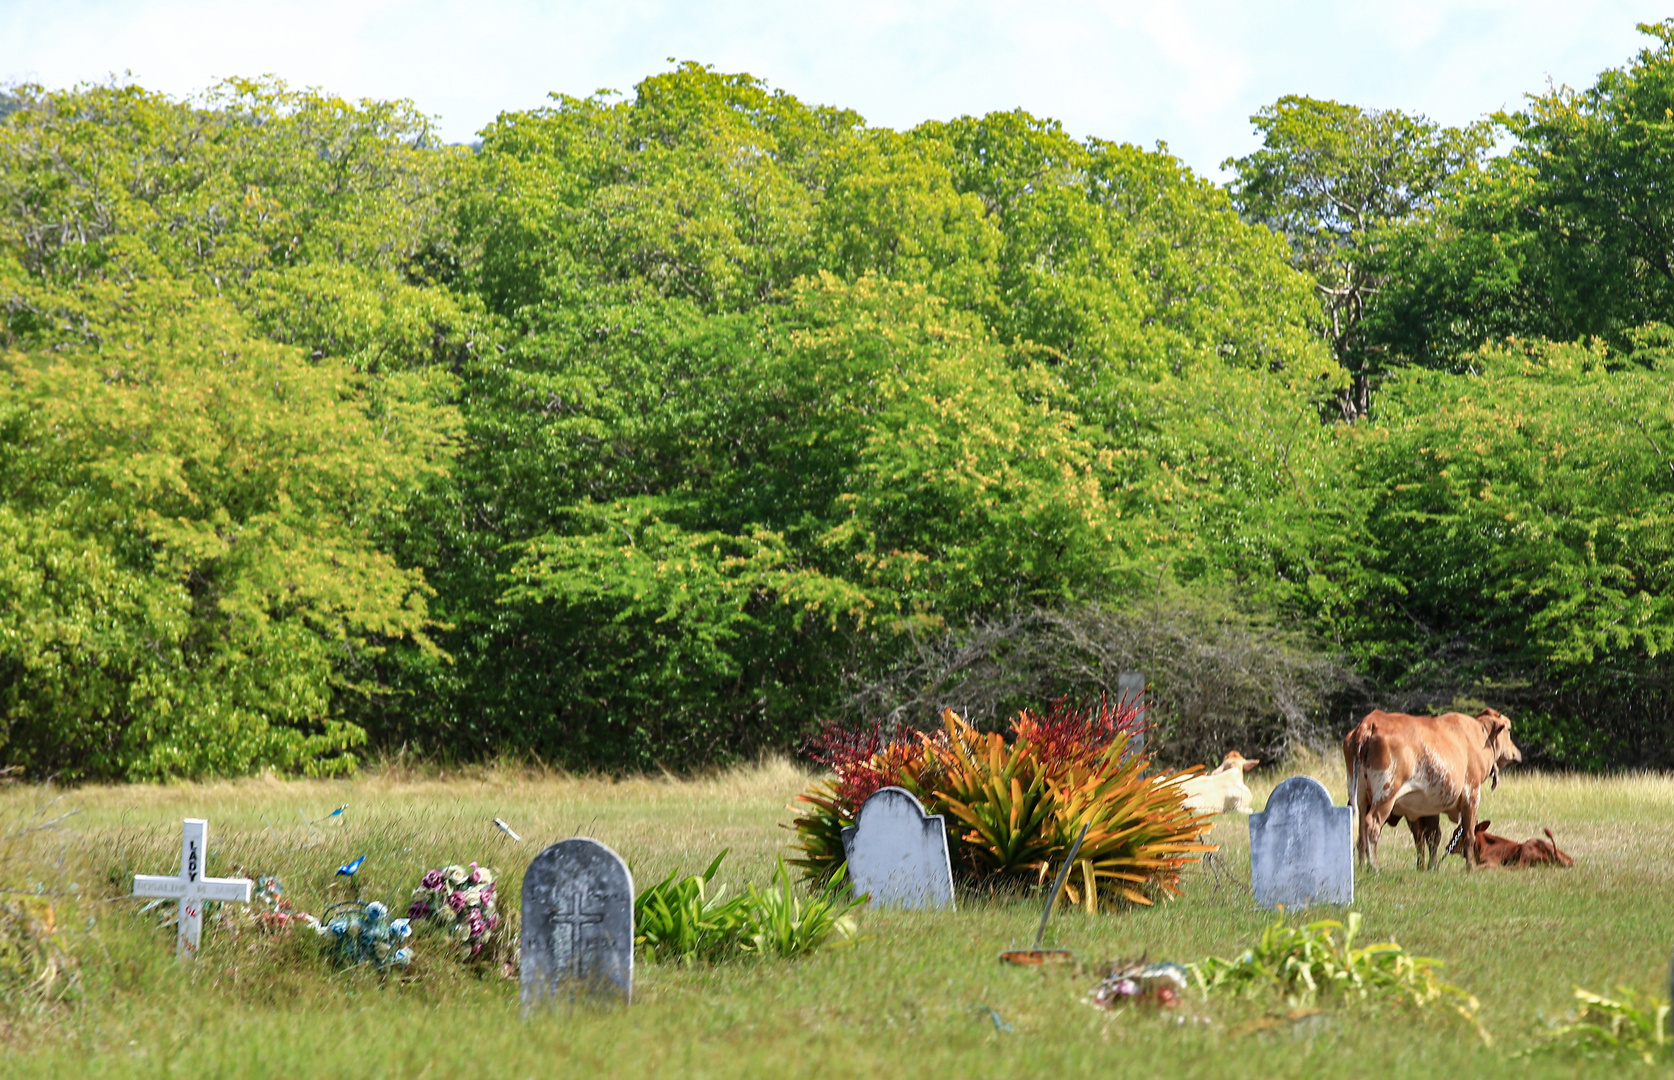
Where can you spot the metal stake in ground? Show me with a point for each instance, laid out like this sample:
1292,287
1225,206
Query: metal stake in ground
192,887
1058,886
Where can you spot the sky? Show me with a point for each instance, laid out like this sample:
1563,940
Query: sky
1189,74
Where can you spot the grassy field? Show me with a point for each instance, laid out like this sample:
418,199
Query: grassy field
909,999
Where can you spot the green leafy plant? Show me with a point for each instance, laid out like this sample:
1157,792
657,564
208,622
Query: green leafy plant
1319,961
680,921
780,923
1630,1025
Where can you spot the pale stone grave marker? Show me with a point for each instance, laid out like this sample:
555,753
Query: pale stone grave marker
192,887
1301,849
578,924
1130,690
898,853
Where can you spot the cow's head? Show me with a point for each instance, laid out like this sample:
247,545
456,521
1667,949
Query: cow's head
1235,761
1496,727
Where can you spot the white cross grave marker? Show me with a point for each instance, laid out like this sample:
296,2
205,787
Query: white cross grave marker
192,887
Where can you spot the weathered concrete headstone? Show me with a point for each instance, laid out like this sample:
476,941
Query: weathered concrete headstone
1130,690
192,887
898,853
578,924
1301,849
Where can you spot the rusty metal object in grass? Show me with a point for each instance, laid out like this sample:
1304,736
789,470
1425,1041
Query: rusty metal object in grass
1038,955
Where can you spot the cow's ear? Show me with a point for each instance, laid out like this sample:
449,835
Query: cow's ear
1495,727
1482,826
1248,764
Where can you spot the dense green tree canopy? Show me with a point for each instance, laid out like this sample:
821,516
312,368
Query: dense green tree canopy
218,385
1335,181
649,430
1566,235
909,376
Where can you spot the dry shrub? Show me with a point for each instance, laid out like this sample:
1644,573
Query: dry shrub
1219,677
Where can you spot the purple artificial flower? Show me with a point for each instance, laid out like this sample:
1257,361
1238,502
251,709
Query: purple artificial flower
456,901
493,921
488,894
419,909
478,927
475,878
433,881
476,948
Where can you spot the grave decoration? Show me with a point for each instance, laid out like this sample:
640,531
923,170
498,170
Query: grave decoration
270,909
1014,808
1301,848
191,887
897,854
578,925
459,900
363,933
1140,983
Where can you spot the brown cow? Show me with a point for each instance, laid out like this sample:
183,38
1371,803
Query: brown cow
1492,851
1420,767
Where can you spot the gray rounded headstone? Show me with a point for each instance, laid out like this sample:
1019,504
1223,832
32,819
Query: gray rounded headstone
578,924
1301,847
898,854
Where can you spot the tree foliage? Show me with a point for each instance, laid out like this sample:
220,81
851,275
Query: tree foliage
198,466
1334,180
866,381
1565,236
660,427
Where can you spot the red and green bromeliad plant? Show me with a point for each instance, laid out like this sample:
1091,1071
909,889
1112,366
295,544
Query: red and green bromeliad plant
1014,807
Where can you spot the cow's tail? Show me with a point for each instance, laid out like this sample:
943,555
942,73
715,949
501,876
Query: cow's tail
1359,748
1563,859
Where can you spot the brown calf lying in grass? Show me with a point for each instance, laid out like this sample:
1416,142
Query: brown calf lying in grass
1499,851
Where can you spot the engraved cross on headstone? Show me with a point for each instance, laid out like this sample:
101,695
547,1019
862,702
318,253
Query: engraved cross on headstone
192,887
567,929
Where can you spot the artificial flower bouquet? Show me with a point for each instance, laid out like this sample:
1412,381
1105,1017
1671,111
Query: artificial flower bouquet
459,900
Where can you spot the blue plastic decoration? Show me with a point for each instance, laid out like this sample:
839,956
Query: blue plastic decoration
348,869
357,933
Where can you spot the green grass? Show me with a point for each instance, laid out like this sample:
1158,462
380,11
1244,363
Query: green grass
908,999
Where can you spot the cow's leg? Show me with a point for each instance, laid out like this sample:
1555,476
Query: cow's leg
1371,827
1432,839
1363,844
1425,838
1467,822
1456,837
1416,826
